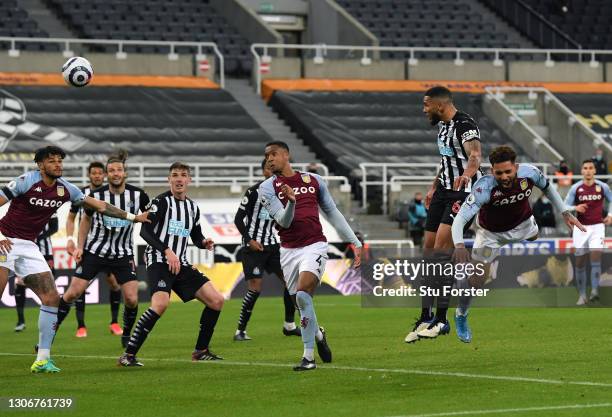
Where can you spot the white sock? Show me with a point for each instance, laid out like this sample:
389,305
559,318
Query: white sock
43,354
319,335
309,354
289,325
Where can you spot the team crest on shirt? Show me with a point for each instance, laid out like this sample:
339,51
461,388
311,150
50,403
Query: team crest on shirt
598,188
306,178
524,184
456,206
60,190
2,258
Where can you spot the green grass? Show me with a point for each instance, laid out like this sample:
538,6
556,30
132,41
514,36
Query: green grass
256,379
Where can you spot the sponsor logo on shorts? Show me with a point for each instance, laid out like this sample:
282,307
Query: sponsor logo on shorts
256,271
161,284
79,269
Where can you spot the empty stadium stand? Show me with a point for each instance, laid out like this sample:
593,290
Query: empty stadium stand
179,20
594,109
347,128
586,21
15,22
153,124
429,23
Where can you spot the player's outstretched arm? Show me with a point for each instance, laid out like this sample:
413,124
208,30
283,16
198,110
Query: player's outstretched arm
328,206
109,210
473,149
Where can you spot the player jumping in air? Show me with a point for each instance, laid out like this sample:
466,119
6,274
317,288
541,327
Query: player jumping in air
587,197
504,214
293,199
35,196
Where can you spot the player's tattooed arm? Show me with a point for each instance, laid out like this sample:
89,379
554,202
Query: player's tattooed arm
40,283
111,211
474,151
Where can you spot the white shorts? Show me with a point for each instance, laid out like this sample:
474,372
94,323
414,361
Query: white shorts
311,258
487,243
24,258
593,238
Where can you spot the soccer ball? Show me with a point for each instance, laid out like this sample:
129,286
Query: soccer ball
77,72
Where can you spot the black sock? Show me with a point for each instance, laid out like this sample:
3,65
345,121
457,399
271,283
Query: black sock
115,301
20,298
129,317
62,311
208,321
141,331
248,303
79,305
289,307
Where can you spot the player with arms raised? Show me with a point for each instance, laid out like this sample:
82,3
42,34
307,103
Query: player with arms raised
504,214
587,197
35,196
293,199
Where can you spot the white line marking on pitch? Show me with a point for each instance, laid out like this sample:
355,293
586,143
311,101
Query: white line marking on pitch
351,368
512,410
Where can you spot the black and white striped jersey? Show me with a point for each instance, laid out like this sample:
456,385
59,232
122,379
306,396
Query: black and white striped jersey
78,209
451,138
44,239
110,237
173,223
253,220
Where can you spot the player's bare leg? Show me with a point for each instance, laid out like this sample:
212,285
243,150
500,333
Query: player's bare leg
311,332
114,297
213,300
130,310
4,274
43,285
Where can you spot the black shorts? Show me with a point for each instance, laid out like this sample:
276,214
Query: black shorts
123,269
188,281
254,263
445,204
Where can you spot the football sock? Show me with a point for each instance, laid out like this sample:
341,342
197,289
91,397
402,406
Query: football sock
129,317
248,303
115,300
62,311
289,308
464,300
47,321
208,321
20,298
308,322
595,273
79,305
141,331
581,280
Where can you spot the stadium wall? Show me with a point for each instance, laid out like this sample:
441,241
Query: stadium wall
353,69
134,64
447,70
329,23
560,72
246,21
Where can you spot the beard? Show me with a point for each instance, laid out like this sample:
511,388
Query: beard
435,119
52,175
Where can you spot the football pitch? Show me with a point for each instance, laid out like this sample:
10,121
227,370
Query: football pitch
522,362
